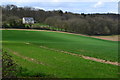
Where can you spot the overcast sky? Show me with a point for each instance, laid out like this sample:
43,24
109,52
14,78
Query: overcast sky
76,6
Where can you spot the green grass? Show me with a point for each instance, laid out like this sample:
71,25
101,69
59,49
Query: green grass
59,64
103,49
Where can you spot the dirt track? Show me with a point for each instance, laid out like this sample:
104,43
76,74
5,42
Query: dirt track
26,58
84,57
111,38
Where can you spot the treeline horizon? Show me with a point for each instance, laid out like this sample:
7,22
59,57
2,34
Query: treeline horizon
90,24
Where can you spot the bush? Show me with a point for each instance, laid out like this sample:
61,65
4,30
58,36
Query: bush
10,69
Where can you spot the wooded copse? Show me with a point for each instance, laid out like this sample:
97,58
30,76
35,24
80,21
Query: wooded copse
91,24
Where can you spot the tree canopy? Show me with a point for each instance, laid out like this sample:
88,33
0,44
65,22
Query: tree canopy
91,24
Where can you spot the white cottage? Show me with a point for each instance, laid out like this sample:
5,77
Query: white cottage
28,20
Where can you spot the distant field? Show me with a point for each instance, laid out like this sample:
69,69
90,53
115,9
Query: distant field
33,51
112,38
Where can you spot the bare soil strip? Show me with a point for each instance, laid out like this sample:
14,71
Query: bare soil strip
111,38
27,58
82,56
85,57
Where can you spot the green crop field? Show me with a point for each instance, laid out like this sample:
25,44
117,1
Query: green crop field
39,53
